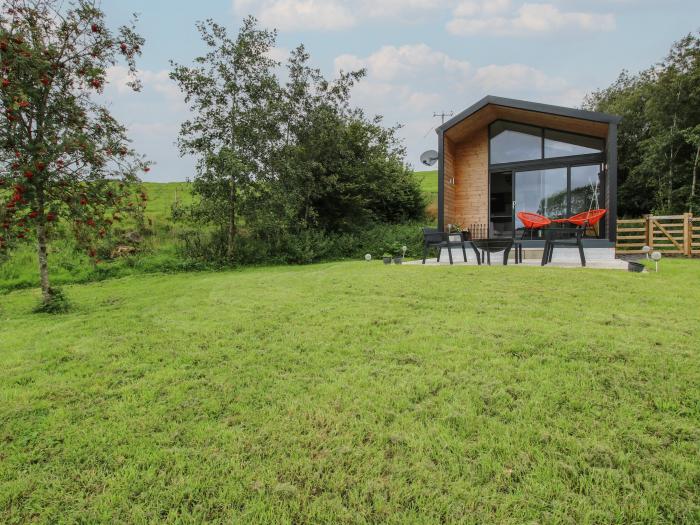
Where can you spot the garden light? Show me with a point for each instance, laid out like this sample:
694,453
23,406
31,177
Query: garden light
656,256
368,257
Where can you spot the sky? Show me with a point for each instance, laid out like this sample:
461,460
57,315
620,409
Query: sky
422,56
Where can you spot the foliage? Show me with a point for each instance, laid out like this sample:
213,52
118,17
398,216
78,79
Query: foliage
304,246
336,170
57,304
658,141
292,163
61,153
230,91
356,392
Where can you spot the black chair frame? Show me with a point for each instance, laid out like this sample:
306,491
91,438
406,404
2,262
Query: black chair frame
436,239
575,239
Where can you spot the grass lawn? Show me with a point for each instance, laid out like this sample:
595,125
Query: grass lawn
356,393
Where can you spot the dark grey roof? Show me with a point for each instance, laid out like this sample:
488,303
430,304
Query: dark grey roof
529,106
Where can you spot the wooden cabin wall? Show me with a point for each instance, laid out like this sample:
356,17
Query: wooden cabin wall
470,192
450,174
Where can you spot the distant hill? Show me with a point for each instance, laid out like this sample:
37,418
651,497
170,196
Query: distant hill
162,195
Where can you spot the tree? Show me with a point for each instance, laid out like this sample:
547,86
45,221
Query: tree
63,157
337,170
231,91
658,146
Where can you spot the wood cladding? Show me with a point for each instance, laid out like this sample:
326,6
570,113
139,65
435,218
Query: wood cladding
450,175
466,200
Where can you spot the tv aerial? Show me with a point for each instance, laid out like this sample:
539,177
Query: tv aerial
429,158
444,114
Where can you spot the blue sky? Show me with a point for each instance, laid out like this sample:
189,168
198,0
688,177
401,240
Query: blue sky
422,55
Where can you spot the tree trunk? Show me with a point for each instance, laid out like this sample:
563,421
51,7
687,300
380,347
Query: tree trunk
43,261
231,219
695,178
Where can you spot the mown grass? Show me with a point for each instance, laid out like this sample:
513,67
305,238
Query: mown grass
356,393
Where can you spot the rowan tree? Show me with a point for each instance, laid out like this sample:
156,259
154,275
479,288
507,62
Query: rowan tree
63,157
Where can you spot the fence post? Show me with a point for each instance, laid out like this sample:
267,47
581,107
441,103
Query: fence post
687,234
649,230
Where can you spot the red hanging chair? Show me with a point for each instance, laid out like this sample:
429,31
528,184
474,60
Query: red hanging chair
532,221
590,218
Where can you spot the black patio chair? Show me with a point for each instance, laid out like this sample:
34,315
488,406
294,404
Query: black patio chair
435,239
567,237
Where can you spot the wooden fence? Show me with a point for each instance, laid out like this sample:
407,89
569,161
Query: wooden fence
670,234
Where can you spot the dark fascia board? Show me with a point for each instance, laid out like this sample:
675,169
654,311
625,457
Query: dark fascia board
529,106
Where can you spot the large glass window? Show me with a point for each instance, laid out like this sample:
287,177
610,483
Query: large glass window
562,144
586,188
515,142
542,192
512,142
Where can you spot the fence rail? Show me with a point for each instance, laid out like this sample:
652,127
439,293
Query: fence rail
670,234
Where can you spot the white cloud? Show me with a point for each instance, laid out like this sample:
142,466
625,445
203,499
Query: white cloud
307,14
514,76
278,54
499,18
408,83
391,62
469,17
158,81
329,15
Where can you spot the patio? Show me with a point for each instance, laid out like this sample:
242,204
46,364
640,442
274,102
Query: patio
497,260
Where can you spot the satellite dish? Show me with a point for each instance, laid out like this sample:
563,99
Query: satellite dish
429,158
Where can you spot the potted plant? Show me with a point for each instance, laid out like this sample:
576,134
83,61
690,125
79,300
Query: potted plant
455,231
399,253
386,258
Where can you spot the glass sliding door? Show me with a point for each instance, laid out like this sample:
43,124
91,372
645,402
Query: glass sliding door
501,204
544,192
586,188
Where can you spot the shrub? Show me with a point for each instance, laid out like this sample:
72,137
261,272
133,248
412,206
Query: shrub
58,304
305,246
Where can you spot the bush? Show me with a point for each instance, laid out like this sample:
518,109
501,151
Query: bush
58,304
306,246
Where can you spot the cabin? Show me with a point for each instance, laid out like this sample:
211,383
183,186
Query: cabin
502,156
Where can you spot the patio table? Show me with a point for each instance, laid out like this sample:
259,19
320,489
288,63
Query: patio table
493,245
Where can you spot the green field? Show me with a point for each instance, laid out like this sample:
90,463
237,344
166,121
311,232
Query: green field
68,265
162,196
428,183
356,393
159,253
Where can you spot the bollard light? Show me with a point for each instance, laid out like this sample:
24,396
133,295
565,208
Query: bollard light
404,249
368,257
656,256
646,250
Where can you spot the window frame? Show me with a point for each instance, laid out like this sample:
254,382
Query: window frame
545,162
545,138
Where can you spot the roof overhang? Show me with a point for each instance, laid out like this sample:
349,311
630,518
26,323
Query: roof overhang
491,108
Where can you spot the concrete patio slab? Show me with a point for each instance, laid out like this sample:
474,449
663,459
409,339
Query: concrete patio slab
497,260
